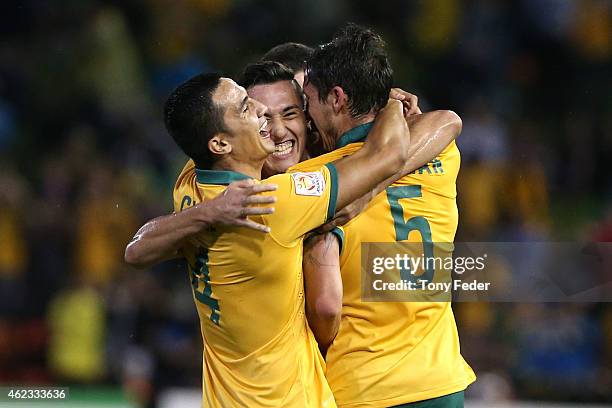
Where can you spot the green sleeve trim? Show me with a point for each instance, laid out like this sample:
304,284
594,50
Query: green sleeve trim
333,194
339,233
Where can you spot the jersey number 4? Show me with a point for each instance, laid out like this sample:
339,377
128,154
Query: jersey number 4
200,273
416,223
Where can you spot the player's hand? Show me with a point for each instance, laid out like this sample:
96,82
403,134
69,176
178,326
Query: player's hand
347,213
241,199
410,101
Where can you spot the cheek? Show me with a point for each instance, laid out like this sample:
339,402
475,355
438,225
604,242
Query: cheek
314,112
314,116
300,135
321,114
296,127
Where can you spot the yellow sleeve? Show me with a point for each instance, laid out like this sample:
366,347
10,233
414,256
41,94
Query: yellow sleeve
184,196
183,193
305,200
315,163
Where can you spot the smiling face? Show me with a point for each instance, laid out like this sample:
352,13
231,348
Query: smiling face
245,124
286,122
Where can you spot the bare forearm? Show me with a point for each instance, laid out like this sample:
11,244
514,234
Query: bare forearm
323,285
385,151
160,238
430,134
324,328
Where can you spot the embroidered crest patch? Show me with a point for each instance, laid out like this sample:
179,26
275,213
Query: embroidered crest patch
309,184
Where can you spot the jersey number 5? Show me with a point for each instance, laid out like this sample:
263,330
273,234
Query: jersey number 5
403,228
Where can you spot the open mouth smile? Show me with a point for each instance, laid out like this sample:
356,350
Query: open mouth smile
283,149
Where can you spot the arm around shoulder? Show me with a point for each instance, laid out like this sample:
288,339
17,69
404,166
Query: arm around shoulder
161,238
383,155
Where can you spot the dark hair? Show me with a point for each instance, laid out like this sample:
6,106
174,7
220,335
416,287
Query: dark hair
192,118
356,61
268,72
292,55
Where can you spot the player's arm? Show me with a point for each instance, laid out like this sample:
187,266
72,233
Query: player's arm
385,151
430,133
160,238
323,287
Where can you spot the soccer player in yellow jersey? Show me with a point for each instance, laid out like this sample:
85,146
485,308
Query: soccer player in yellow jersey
248,288
385,353
270,84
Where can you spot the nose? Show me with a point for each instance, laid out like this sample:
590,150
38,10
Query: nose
278,131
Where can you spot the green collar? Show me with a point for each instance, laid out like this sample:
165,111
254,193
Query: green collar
218,176
356,134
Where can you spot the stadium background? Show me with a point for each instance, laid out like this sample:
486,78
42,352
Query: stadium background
84,160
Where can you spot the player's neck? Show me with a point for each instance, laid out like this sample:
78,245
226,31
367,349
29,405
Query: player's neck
350,122
248,169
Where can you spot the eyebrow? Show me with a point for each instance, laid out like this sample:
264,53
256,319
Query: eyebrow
290,107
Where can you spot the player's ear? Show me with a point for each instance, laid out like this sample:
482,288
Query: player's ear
337,98
219,144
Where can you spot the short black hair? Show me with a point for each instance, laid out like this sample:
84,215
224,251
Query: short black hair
265,72
269,72
192,118
292,55
356,61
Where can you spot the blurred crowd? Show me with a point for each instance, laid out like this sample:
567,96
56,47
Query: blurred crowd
85,160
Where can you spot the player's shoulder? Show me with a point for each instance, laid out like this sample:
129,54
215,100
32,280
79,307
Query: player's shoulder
282,180
307,183
450,151
444,164
317,162
185,186
449,158
308,165
187,175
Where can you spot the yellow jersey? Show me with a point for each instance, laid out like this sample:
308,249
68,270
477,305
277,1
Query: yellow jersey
391,353
249,293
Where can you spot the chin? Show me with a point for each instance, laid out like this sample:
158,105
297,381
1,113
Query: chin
289,161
